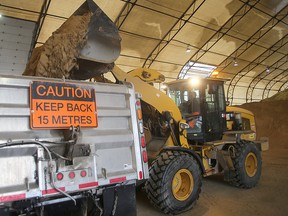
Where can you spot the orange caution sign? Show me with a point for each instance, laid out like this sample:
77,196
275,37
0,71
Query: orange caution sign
56,105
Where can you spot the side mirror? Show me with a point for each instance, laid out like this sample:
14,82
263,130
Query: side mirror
183,125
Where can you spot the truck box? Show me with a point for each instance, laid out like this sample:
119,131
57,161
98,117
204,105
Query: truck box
61,139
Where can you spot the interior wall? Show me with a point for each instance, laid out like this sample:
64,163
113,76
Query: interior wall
15,44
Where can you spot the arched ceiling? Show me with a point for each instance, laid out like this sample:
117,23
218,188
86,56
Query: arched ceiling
246,40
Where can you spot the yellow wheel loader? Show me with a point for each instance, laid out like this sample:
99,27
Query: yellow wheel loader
189,131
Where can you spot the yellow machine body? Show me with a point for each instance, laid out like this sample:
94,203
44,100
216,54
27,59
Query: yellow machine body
142,79
248,122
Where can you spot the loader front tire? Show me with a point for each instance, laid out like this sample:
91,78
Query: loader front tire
248,165
175,182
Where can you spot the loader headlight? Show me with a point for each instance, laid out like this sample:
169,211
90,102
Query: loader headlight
194,81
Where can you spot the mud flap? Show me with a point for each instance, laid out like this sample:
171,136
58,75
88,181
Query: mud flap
66,208
120,200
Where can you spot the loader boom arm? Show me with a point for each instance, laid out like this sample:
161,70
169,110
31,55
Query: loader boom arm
160,101
150,94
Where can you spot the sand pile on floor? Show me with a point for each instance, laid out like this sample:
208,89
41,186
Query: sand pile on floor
283,95
271,120
58,56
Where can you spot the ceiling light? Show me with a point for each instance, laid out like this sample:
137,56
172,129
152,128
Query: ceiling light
235,63
188,50
267,70
0,15
214,73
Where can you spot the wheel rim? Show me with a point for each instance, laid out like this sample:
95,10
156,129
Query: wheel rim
182,184
251,164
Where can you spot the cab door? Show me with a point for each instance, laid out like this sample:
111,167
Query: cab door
214,110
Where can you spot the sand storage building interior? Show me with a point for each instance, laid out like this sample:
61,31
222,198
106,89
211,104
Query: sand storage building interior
242,41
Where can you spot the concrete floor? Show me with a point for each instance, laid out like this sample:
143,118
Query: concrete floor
269,197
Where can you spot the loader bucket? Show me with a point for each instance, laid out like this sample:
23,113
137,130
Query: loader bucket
102,46
103,40
84,46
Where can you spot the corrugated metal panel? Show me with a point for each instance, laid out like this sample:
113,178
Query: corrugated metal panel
15,42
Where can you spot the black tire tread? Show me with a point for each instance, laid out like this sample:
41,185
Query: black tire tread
154,185
236,179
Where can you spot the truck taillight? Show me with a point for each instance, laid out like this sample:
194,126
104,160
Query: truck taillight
140,175
83,173
59,176
145,159
139,113
143,144
71,175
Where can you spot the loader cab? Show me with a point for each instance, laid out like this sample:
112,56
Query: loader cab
202,104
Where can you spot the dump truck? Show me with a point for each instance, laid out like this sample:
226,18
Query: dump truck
71,147
182,144
66,141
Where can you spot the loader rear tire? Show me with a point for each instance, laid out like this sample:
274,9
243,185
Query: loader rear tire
248,165
175,182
